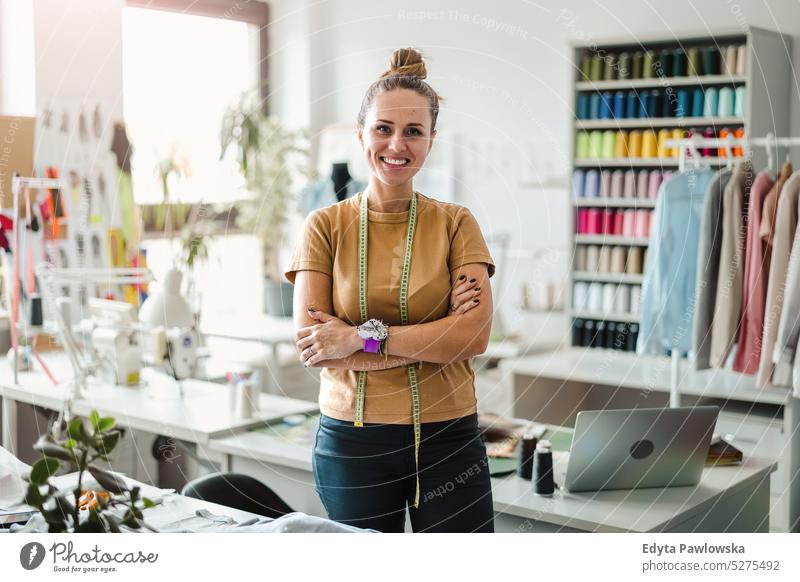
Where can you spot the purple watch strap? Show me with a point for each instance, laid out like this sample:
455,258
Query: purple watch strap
371,346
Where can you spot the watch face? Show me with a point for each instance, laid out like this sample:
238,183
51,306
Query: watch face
373,329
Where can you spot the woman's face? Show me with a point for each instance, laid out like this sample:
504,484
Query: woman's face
397,136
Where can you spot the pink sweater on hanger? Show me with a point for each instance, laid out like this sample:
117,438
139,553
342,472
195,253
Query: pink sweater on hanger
756,274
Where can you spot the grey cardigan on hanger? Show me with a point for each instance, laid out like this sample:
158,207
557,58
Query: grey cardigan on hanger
708,255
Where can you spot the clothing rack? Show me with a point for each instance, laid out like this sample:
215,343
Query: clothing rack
18,184
691,145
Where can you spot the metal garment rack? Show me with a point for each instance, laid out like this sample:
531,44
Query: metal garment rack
689,153
18,185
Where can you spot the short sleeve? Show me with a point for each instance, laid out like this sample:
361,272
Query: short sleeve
467,244
314,251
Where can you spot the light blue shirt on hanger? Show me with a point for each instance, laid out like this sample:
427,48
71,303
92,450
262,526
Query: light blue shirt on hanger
667,304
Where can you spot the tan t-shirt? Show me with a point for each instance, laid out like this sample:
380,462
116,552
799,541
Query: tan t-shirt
447,237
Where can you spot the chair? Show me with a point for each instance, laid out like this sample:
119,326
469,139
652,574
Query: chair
238,491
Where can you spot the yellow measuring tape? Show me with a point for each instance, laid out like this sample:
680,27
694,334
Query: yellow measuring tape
364,313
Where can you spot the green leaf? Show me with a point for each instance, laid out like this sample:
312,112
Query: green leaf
34,496
70,443
107,423
42,471
148,503
77,431
113,522
107,442
94,418
50,448
108,481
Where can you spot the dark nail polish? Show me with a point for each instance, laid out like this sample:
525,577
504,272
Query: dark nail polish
462,277
477,300
477,288
472,280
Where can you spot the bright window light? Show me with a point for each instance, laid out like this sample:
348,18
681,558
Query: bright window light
180,73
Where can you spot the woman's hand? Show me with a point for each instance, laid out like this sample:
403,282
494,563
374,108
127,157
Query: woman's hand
331,339
464,296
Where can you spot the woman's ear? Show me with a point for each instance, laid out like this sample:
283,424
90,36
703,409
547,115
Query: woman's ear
361,137
430,142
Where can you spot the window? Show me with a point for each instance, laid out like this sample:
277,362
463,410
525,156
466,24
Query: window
180,73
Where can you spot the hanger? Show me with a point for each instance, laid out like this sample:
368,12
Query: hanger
728,146
697,139
770,140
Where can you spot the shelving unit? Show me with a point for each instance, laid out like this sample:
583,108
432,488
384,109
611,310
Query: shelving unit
605,202
766,421
656,82
665,163
607,277
657,122
766,94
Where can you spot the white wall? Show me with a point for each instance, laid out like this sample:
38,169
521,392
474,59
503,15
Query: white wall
505,71
79,52
17,59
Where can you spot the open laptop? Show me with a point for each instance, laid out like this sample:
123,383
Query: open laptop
639,448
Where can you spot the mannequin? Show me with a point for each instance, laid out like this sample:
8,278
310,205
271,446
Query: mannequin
340,176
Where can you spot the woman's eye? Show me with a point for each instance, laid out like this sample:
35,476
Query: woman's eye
414,131
383,129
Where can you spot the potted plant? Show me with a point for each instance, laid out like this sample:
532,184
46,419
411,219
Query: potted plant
91,510
273,160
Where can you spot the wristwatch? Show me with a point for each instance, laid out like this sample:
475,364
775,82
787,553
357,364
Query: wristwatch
373,332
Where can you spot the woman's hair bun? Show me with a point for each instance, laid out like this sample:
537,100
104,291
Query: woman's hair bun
406,62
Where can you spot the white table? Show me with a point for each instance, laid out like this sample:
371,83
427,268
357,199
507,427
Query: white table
263,329
553,387
727,498
202,413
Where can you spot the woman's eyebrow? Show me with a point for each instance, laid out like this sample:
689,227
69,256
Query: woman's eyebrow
407,125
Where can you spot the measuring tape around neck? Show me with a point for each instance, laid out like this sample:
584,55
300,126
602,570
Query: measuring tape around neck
364,313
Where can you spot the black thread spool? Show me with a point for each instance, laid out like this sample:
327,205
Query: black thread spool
527,447
35,305
543,483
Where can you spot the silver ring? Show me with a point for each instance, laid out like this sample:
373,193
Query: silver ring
453,307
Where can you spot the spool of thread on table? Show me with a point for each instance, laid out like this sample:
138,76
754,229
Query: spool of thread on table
543,483
527,448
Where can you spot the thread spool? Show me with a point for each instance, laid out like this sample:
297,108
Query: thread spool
595,144
617,180
246,399
740,101
582,145
580,258
649,144
594,106
543,483
527,448
624,66
621,145
609,143
35,305
605,183
577,184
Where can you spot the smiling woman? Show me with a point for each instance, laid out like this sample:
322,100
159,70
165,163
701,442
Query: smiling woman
396,272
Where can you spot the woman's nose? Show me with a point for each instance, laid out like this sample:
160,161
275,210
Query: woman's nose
397,143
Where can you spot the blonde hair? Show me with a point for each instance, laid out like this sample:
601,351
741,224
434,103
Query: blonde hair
406,71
